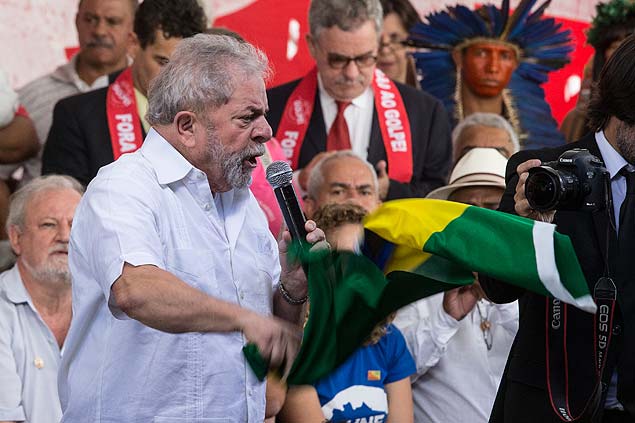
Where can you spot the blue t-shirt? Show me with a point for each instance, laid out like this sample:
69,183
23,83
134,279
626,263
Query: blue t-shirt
354,392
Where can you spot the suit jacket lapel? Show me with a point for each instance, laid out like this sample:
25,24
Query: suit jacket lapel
376,151
315,136
600,217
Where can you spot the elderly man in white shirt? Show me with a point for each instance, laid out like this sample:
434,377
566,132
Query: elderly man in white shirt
174,265
35,299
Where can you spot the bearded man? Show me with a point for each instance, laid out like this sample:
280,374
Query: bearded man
35,299
538,384
176,269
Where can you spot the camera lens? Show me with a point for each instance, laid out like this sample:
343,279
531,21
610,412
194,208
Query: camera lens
542,189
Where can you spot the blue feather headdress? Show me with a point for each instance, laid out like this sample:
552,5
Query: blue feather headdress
541,47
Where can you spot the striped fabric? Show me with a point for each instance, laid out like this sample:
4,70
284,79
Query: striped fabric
39,98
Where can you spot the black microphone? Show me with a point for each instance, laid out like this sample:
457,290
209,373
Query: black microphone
279,176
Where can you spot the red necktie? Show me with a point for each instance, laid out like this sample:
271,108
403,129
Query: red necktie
338,137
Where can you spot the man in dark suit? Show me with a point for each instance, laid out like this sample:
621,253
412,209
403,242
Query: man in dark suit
549,376
346,103
91,130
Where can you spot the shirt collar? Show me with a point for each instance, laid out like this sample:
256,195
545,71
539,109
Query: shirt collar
68,73
16,292
363,100
613,161
169,165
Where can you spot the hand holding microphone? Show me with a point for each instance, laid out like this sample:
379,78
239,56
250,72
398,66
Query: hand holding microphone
293,280
280,176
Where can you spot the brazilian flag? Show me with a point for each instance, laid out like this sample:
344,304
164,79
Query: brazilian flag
415,248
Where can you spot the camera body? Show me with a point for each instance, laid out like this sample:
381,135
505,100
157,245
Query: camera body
576,181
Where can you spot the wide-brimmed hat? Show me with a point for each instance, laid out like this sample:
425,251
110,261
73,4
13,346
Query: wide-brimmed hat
477,168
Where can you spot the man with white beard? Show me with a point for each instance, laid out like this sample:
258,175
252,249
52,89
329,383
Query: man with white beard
35,299
174,267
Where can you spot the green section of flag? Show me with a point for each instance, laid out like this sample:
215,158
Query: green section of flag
496,244
349,297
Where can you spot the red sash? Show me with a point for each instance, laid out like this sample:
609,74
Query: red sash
123,117
391,112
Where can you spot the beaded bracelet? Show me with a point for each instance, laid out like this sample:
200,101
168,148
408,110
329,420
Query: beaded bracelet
288,298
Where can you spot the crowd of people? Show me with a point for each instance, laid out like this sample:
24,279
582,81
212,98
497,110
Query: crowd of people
145,249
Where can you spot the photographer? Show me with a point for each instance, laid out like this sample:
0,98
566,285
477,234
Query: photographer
551,374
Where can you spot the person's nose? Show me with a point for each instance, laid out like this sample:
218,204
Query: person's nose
493,63
354,197
384,44
63,232
262,131
351,70
99,28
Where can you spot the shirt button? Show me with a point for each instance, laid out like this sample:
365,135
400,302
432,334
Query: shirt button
207,207
200,176
38,362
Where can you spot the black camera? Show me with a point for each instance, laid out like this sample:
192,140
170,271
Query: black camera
576,181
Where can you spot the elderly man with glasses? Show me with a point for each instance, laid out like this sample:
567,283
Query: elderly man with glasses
345,102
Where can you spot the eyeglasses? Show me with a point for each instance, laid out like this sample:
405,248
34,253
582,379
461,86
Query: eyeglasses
337,61
394,41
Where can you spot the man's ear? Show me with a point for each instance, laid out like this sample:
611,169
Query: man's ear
516,62
457,57
310,41
186,123
133,44
14,239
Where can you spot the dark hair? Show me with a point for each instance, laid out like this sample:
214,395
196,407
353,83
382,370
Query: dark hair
613,93
609,35
404,9
182,19
347,15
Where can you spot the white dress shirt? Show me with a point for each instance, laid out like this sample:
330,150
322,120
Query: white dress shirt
359,117
29,357
457,376
152,207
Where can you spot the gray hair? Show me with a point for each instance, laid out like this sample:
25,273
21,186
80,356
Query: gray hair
21,198
490,120
316,178
347,15
203,72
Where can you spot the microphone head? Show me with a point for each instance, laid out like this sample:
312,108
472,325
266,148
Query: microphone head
279,173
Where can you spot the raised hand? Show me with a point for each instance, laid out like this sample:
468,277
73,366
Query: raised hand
521,204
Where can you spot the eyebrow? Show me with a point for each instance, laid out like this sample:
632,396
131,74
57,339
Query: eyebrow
344,185
335,54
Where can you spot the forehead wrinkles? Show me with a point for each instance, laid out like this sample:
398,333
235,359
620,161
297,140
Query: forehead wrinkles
348,43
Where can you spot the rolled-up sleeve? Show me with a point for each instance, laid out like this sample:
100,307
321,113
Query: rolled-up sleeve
113,227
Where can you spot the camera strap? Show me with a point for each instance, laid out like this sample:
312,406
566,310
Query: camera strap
605,295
